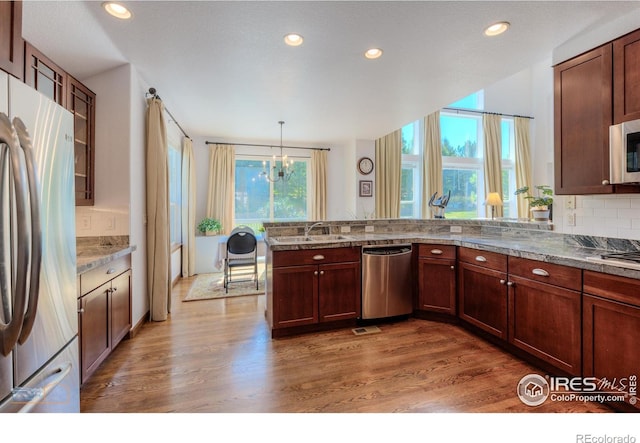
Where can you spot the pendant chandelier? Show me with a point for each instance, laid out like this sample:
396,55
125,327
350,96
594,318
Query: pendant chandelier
286,166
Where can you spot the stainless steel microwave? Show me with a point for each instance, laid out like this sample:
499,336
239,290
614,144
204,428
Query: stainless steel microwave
624,152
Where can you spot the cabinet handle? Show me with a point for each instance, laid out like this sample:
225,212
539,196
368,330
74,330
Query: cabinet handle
510,283
436,251
540,272
480,258
502,282
111,270
81,311
605,182
321,272
114,290
452,267
315,272
318,257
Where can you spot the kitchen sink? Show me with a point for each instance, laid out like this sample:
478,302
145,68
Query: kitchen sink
312,238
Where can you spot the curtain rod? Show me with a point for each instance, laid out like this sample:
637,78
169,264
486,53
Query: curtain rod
152,93
267,146
458,110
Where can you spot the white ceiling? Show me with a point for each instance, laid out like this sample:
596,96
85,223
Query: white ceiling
224,72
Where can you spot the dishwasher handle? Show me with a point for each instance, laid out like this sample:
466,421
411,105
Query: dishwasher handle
387,251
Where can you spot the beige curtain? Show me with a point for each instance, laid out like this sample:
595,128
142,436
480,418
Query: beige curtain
188,209
221,185
492,159
523,163
388,171
318,184
158,238
431,161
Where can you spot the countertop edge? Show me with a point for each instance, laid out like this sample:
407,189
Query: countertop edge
85,264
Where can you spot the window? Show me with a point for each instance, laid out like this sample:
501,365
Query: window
411,171
258,200
462,168
175,194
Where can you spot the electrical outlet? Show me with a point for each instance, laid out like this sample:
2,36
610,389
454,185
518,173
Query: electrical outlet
570,202
110,223
84,222
369,228
455,229
571,219
345,229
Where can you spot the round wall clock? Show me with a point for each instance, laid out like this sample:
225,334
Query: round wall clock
365,165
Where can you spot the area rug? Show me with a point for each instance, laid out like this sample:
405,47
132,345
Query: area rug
211,286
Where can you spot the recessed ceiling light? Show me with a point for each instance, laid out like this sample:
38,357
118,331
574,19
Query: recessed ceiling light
293,39
117,10
496,29
373,53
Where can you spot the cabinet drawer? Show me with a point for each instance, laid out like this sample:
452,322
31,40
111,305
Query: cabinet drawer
622,289
315,256
486,259
437,251
98,276
557,275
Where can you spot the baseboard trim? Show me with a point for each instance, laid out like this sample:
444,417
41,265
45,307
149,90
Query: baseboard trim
136,328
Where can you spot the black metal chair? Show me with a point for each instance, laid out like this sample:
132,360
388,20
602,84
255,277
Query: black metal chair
242,252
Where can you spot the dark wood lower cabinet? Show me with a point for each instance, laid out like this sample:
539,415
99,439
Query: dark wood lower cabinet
437,279
483,298
120,308
339,291
544,320
295,296
95,341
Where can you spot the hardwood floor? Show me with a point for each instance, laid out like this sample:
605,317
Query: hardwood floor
217,356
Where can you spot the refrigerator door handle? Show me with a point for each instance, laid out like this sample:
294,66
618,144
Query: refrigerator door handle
39,394
10,331
36,231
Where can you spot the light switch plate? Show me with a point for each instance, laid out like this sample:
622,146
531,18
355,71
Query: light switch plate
570,202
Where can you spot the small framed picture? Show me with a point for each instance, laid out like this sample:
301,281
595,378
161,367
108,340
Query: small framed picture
366,188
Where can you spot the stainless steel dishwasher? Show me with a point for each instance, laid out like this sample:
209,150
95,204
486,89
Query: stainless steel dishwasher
386,281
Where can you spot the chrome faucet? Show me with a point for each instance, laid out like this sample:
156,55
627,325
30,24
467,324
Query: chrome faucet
308,229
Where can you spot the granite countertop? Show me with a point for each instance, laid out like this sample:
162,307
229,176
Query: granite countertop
545,248
95,251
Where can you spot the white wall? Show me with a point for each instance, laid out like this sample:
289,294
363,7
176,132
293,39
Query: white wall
365,206
120,177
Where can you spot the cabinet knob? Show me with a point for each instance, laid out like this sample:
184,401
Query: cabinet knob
81,311
510,283
114,289
321,272
111,270
452,267
605,182
315,272
502,282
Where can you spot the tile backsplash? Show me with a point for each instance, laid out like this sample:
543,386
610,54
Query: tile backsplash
615,216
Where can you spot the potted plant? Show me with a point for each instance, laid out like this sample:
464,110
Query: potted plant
209,226
540,202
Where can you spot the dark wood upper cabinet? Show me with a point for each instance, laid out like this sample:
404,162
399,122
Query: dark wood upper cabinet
44,75
626,78
81,102
11,43
582,116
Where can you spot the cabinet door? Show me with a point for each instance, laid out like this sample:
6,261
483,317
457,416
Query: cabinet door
339,291
120,308
626,78
11,43
545,321
437,285
611,332
483,298
43,75
81,102
582,116
94,329
295,296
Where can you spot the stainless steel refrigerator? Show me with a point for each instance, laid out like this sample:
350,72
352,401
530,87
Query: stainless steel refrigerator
38,296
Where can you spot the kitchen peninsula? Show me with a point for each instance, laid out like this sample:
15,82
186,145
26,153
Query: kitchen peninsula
547,297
